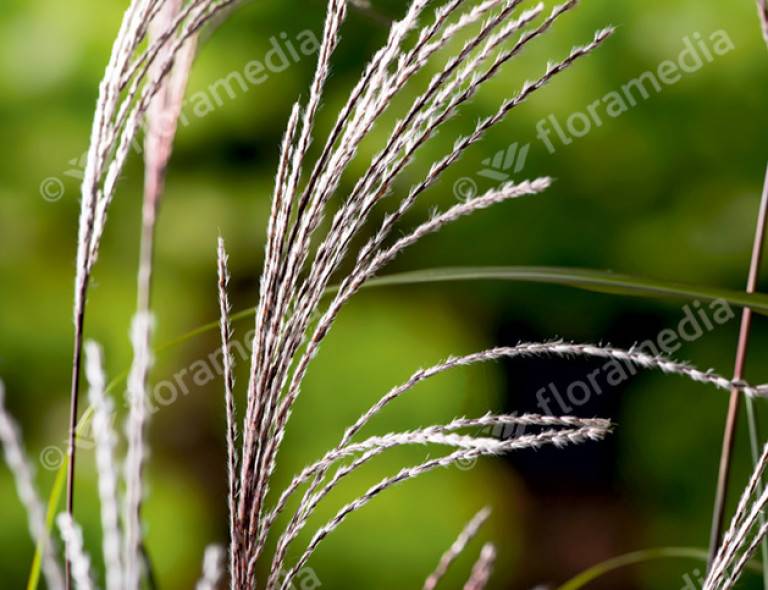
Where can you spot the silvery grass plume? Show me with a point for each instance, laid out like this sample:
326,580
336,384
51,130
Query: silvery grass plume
746,532
134,75
291,318
299,263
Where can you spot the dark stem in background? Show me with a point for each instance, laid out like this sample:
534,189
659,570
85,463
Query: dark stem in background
733,406
73,411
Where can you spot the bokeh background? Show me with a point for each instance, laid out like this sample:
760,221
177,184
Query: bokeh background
668,190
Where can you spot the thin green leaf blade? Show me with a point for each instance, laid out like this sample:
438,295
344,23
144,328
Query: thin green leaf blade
636,558
587,279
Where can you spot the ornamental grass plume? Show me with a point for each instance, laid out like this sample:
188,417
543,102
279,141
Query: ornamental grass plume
135,74
308,243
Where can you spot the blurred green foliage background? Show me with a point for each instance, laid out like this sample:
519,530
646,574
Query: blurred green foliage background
668,190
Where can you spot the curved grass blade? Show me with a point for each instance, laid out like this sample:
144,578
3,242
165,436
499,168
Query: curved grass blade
636,558
586,279
55,499
53,506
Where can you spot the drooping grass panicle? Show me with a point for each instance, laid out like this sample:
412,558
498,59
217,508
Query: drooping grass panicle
457,548
555,348
119,114
434,435
76,555
145,80
23,475
558,438
299,264
290,299
105,441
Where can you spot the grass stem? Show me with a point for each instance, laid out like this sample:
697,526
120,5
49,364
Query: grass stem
733,407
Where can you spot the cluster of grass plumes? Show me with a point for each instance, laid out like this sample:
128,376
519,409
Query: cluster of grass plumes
300,264
144,82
